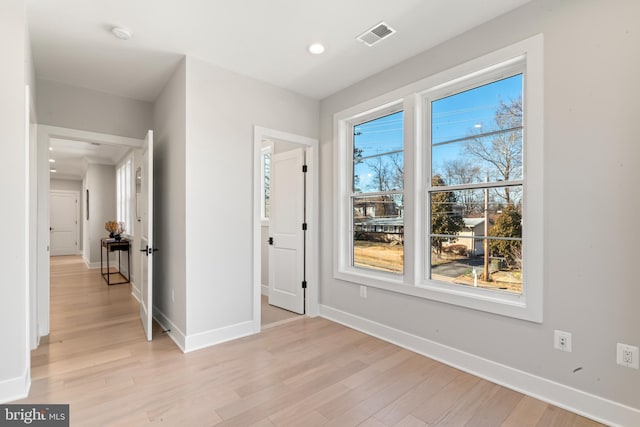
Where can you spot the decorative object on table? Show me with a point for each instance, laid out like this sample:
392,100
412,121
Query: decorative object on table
115,229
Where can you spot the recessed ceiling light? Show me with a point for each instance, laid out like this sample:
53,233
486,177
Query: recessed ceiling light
50,148
52,160
53,170
316,49
122,33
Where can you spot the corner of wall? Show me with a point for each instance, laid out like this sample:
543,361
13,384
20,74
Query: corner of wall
15,388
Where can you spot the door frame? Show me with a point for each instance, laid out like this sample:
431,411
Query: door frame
40,325
78,218
311,145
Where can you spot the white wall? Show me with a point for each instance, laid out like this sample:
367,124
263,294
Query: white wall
65,185
222,108
169,272
14,288
30,77
101,182
72,107
72,185
591,173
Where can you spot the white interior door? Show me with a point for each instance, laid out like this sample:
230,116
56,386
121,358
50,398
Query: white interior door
63,222
146,236
286,248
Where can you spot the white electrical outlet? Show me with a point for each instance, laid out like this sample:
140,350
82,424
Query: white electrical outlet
627,355
363,291
562,341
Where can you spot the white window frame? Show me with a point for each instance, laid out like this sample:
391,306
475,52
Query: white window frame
344,172
527,54
124,193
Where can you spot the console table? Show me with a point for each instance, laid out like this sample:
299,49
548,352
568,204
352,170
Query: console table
109,245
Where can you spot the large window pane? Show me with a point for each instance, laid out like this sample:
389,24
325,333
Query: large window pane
484,109
497,157
498,202
379,173
463,262
378,232
266,179
476,238
379,136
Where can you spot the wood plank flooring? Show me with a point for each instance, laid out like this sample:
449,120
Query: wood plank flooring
272,316
307,372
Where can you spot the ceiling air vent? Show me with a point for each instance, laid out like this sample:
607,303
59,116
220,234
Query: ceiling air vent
376,34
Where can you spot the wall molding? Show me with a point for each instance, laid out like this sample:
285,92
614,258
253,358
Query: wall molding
189,343
577,401
94,265
218,336
135,291
173,331
15,388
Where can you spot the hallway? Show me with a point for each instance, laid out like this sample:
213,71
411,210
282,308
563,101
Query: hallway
297,373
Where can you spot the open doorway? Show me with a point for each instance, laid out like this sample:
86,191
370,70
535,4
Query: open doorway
285,226
82,163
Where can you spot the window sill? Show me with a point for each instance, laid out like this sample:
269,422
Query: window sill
487,300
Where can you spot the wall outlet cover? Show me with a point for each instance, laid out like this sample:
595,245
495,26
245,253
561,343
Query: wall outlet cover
627,355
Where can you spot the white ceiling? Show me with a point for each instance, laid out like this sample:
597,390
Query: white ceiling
263,39
72,156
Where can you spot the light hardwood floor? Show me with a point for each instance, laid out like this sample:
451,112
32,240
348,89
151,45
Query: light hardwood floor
272,316
308,372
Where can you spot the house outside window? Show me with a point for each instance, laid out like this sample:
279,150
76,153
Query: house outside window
476,147
377,193
455,191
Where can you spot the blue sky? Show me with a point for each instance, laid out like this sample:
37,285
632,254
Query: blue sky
454,117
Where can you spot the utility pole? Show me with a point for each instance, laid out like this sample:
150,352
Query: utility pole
486,234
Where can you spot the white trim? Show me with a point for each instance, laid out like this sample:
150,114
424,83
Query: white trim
45,133
28,328
87,136
94,265
595,407
528,305
264,290
175,333
135,292
218,336
15,388
261,134
189,343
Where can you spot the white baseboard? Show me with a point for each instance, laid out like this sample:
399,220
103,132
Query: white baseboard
586,404
264,290
43,331
135,291
189,343
15,388
218,336
94,265
173,331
